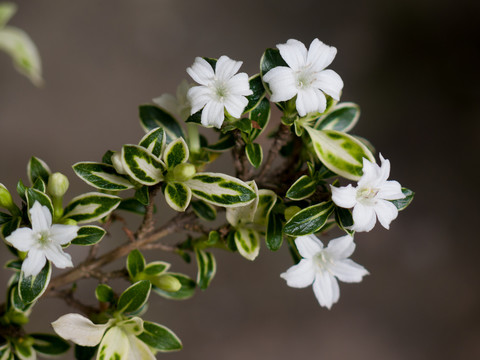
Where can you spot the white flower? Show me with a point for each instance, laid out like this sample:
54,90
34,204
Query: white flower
219,89
321,267
178,105
370,199
43,241
305,77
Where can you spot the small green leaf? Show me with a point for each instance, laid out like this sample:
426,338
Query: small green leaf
102,176
142,195
89,235
132,205
247,242
47,344
226,142
271,58
85,352
37,168
204,210
274,235
24,351
7,10
34,195
142,165
91,207
154,141
21,189
309,220
343,117
260,115
186,291
17,302
176,153
152,117
254,154
4,218
301,189
39,185
107,157
159,337
104,293
32,287
134,297
344,219
401,204
135,263
256,85
156,268
207,267
10,226
178,196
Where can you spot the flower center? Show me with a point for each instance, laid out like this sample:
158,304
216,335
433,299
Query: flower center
367,195
221,90
43,237
322,261
304,77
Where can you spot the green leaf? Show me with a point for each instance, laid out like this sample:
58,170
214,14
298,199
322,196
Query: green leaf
156,268
159,337
89,235
32,287
10,226
135,263
102,176
343,117
344,219
85,352
274,235
243,214
134,297
220,189
141,165
309,220
254,154
176,153
21,189
225,143
132,205
271,58
47,344
15,264
247,242
107,157
152,117
340,152
186,291
34,195
244,125
24,350
104,293
256,85
260,115
301,189
266,201
204,210
178,196
7,10
4,218
39,185
207,267
142,195
17,302
91,207
154,141
401,204
37,168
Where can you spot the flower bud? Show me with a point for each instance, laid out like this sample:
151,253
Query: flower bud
183,172
6,200
117,163
167,282
57,185
291,211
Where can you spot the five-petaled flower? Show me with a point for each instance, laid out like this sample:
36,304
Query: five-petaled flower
321,267
305,76
219,89
43,241
178,105
370,199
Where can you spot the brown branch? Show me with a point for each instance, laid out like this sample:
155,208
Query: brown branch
67,296
281,139
240,160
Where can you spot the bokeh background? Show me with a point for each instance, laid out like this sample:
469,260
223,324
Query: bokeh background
412,65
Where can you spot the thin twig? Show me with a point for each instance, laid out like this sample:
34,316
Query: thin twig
67,296
281,139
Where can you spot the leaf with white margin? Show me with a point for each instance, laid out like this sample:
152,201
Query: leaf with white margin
178,195
261,115
343,117
247,242
89,235
91,207
266,201
34,195
243,214
142,165
402,204
254,154
24,351
134,297
207,267
204,210
309,220
340,152
152,117
301,189
49,345
159,337
37,168
135,263
101,176
274,234
220,189
7,10
80,330
32,287
156,268
154,141
176,153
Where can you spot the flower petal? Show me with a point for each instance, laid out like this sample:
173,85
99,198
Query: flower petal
310,100
22,239
235,105
282,83
371,174
114,345
294,53
308,246
79,329
384,169
341,248
326,289
330,83
348,271
63,234
34,262
320,55
213,114
226,67
201,71
345,196
41,217
199,96
55,254
390,190
364,218
238,85
300,275
386,212
138,349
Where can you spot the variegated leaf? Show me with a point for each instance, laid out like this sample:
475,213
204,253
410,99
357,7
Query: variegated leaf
154,141
261,115
243,214
343,117
142,165
207,267
102,176
178,195
402,204
302,188
176,153
32,287
34,195
247,242
226,142
254,154
204,210
152,117
309,220
37,168
159,337
256,85
266,201
89,235
91,207
274,234
340,152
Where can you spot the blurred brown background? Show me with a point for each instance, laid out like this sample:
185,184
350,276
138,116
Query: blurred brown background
413,68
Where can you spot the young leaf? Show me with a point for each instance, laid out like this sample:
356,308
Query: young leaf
24,351
156,268
204,210
266,201
226,142
154,141
142,165
33,195
220,189
247,242
243,214
343,117
134,297
176,153
301,189
260,115
152,117
256,85
207,268
309,220
91,207
4,218
89,235
39,185
135,263
274,235
254,154
9,227
186,291
37,168
47,344
21,189
32,287
104,293
102,176
178,195
401,204
159,337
